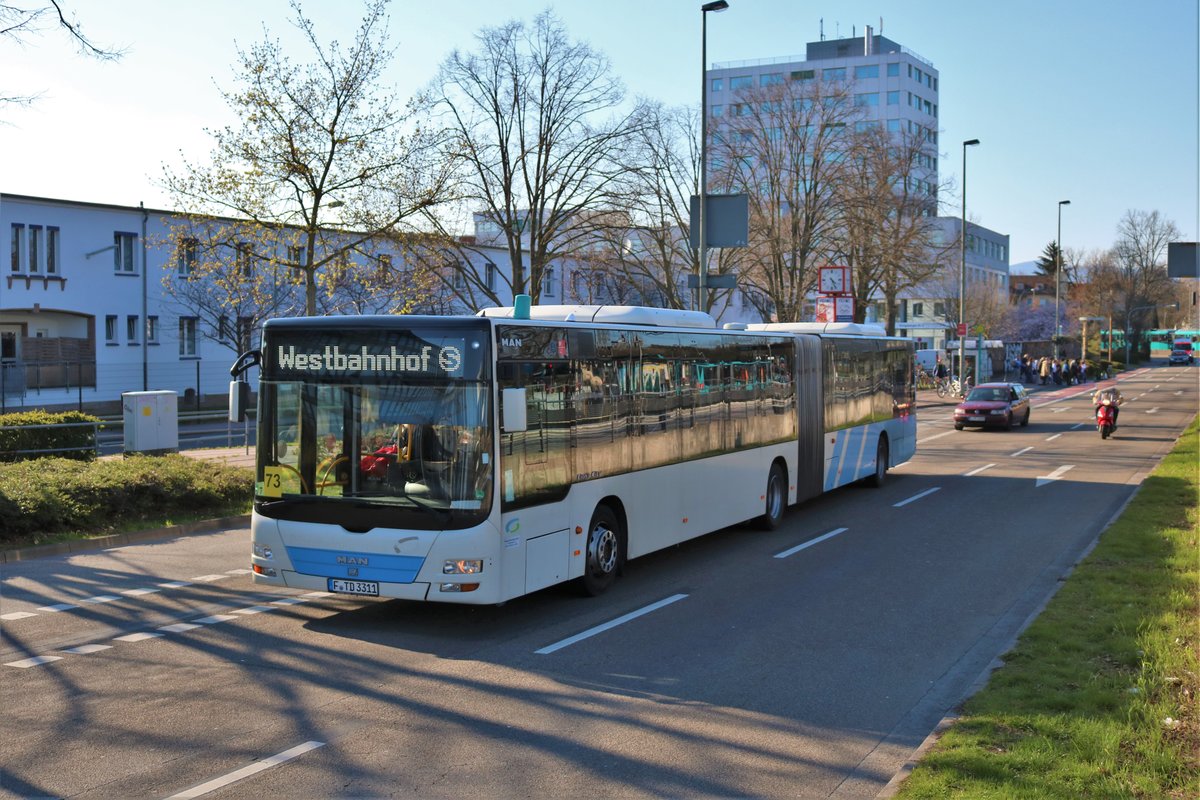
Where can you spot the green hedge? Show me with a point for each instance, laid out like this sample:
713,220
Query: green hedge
48,496
30,433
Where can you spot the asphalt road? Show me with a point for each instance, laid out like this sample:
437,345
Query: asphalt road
806,662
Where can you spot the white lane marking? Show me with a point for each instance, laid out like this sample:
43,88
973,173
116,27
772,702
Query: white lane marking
239,572
287,601
1019,452
1079,425
935,436
253,610
318,594
207,578
792,551
139,592
1179,393
140,636
178,627
1152,410
36,661
632,615
246,772
175,584
18,615
215,618
101,598
84,649
1053,476
1060,409
916,497
58,607
1052,438
977,470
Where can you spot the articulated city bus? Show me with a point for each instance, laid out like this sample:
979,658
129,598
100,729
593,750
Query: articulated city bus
477,459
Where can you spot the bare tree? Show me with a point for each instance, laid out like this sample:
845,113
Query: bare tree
785,146
314,138
1139,275
888,232
20,23
531,140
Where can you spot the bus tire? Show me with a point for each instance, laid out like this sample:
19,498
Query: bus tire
775,499
881,463
605,551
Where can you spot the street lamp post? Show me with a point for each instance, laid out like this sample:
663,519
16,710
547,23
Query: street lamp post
1058,280
962,277
702,282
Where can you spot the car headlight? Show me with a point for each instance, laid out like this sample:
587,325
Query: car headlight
999,411
462,566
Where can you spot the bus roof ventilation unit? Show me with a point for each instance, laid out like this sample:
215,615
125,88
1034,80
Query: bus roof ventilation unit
849,328
612,315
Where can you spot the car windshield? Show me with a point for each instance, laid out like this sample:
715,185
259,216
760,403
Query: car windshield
988,395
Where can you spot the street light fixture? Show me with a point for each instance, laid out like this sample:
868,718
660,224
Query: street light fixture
1058,280
702,282
962,277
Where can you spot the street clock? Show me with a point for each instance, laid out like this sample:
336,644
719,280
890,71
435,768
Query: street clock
833,280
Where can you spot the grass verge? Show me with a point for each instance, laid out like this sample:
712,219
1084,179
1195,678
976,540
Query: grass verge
1099,696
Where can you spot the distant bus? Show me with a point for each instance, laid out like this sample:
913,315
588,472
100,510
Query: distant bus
476,459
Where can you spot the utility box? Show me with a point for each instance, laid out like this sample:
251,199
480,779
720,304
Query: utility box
151,422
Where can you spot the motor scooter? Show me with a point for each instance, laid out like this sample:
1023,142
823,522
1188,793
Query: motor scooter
1105,420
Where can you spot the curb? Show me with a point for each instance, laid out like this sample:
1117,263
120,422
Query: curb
121,539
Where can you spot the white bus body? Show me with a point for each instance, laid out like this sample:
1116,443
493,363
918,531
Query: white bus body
385,467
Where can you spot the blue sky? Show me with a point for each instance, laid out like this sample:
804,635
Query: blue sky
1089,101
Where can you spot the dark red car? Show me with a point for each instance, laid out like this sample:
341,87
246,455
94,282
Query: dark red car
993,405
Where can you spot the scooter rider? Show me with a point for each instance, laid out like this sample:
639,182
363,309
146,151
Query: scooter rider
1110,396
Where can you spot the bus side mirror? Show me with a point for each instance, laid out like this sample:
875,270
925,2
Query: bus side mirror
239,400
513,403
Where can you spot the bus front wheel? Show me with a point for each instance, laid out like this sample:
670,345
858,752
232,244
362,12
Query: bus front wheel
604,551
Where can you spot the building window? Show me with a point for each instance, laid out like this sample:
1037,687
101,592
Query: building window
131,328
866,99
893,125
770,79
939,309
893,98
123,247
866,71
548,282
489,276
804,75
35,248
52,251
110,329
740,82
893,69
152,330
187,256
717,110
187,336
717,84
918,309
835,74
18,235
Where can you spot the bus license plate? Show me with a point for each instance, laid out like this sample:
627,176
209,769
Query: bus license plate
369,588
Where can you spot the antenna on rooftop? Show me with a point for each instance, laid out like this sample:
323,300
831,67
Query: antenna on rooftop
822,22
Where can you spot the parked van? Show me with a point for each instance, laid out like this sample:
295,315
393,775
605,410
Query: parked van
927,358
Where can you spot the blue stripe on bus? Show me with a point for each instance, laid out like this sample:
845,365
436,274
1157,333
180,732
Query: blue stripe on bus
369,566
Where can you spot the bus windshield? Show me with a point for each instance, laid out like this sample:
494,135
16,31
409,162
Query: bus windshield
378,428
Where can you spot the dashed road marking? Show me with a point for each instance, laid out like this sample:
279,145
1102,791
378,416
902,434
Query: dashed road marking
36,661
590,632
977,470
1019,452
246,772
85,649
792,551
916,497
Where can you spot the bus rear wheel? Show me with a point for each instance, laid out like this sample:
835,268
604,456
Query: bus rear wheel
605,550
881,464
776,499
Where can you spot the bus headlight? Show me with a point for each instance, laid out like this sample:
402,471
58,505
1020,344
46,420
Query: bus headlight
462,566
262,551
459,587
